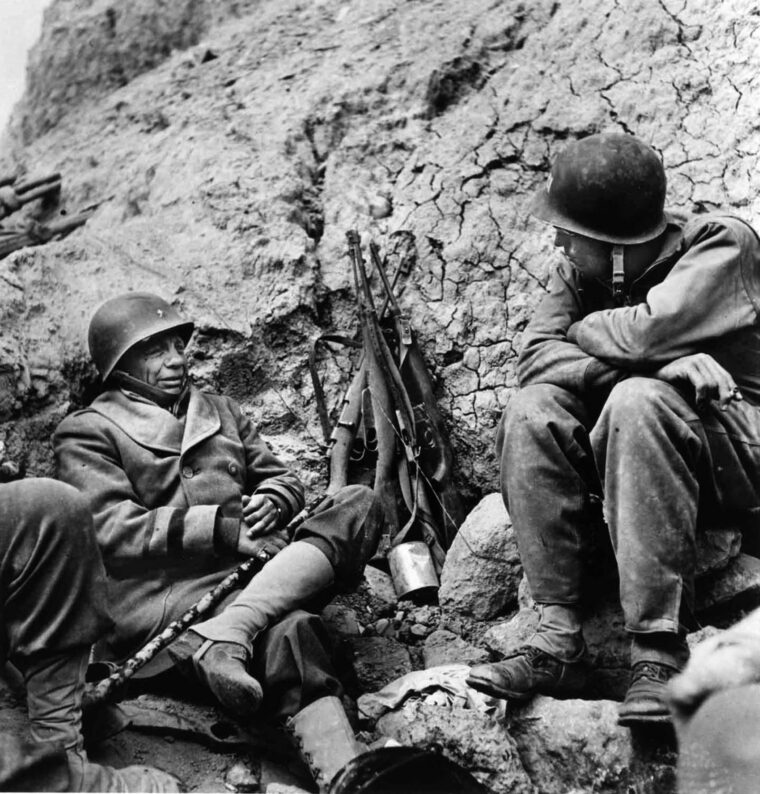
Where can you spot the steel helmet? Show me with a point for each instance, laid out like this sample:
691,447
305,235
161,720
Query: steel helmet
609,187
403,770
122,322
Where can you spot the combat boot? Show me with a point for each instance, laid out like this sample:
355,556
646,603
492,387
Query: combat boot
217,651
54,689
325,738
531,671
223,668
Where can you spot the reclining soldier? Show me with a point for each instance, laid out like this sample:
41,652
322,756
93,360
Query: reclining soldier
53,591
182,486
639,382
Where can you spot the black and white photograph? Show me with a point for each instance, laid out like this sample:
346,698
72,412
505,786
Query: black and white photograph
380,396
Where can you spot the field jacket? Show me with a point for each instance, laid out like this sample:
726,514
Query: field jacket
165,494
702,294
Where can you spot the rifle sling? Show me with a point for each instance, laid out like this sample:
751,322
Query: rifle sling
319,392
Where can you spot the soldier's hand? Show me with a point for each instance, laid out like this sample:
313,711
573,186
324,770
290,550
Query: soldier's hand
264,547
729,659
261,514
709,379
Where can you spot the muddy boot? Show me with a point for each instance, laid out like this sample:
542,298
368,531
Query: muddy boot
54,687
530,671
222,667
325,738
655,659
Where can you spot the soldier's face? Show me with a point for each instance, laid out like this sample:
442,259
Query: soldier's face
158,361
592,258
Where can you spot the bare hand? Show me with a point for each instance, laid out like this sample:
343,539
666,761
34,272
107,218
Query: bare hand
261,515
709,379
729,659
263,547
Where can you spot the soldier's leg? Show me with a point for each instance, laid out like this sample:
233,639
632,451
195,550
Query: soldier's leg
660,460
293,661
547,476
52,580
328,552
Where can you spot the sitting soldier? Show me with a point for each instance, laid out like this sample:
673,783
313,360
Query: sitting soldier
53,591
181,487
629,389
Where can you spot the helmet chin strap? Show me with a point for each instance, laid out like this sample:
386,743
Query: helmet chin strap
618,275
164,399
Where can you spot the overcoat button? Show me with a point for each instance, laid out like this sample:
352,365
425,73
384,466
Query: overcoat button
232,469
187,472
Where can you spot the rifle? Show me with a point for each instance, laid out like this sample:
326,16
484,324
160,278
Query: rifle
16,195
394,422
436,457
37,233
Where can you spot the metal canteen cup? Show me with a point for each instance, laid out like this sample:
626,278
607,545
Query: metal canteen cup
412,569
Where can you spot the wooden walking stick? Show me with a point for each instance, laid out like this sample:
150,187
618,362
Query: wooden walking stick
105,689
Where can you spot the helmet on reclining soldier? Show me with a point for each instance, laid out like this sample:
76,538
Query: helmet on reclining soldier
124,321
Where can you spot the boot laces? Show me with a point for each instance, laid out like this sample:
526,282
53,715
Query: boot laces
653,671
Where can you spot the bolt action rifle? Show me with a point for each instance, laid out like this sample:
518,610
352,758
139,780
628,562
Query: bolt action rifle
14,195
436,458
37,234
385,398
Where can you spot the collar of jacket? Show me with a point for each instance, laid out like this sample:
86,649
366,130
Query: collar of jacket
669,253
156,428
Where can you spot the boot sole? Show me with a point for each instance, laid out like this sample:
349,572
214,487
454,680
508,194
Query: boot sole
631,720
489,688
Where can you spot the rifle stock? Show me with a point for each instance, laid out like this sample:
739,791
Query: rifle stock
394,419
436,458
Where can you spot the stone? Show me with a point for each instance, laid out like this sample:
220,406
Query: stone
572,744
740,581
340,620
716,548
240,777
378,660
482,570
380,586
470,738
445,647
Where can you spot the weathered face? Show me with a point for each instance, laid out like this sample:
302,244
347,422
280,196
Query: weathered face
592,258
159,361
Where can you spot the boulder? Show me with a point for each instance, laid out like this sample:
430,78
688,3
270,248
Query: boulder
378,660
482,570
716,548
572,744
469,737
739,582
445,647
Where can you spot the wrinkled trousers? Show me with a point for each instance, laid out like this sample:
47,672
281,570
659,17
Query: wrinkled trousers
52,581
657,462
52,588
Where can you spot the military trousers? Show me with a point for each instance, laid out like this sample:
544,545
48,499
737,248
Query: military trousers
52,580
657,462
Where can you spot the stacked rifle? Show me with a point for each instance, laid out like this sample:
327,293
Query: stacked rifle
15,194
390,415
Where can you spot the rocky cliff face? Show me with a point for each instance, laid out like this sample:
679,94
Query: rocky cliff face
231,146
